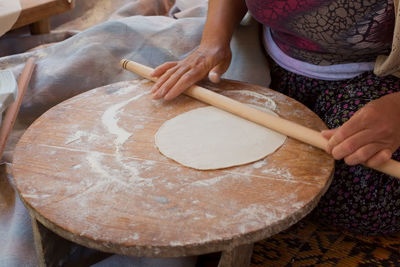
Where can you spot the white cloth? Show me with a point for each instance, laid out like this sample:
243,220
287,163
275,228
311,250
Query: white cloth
9,13
8,89
96,38
189,8
124,261
329,73
16,237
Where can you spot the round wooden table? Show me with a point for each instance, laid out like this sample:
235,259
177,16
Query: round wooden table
89,171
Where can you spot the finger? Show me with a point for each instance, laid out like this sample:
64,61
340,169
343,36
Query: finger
333,141
156,87
379,158
327,134
214,77
160,70
185,81
171,82
215,73
157,90
363,154
352,144
349,128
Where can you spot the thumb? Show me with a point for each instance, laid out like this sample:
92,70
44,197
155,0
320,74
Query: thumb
215,73
327,134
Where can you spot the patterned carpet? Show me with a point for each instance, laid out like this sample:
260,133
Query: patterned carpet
311,244
307,243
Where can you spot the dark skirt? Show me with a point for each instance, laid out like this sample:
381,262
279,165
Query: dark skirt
359,199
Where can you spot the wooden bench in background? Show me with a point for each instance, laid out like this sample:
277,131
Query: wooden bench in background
37,13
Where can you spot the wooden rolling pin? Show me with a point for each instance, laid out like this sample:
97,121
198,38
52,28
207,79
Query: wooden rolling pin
12,111
277,124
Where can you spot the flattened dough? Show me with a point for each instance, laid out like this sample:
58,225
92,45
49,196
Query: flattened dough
209,138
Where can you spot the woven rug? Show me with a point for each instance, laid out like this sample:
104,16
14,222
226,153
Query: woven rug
309,243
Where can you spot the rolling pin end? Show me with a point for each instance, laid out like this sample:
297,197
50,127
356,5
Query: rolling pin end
124,62
138,69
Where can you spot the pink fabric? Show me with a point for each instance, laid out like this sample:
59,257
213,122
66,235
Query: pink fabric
328,32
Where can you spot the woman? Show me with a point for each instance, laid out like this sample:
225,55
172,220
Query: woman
324,55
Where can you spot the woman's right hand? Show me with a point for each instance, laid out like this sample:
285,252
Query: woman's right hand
175,77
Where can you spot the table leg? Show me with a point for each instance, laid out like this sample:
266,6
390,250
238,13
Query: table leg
40,27
52,250
238,257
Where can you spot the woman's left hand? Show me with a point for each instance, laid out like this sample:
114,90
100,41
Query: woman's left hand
370,136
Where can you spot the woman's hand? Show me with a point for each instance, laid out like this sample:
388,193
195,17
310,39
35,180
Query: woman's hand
175,77
370,136
213,56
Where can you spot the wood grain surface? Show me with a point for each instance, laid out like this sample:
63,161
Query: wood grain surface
40,10
88,170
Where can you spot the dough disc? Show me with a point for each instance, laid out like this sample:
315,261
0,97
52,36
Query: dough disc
209,138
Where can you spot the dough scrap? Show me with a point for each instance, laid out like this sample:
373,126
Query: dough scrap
209,138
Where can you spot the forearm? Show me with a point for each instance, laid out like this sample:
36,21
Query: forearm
222,19
211,58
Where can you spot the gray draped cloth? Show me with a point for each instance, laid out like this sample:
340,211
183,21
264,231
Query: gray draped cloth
83,52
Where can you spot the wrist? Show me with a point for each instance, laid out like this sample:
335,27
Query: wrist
217,51
212,42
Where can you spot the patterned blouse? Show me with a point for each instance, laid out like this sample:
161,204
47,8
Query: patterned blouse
326,32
